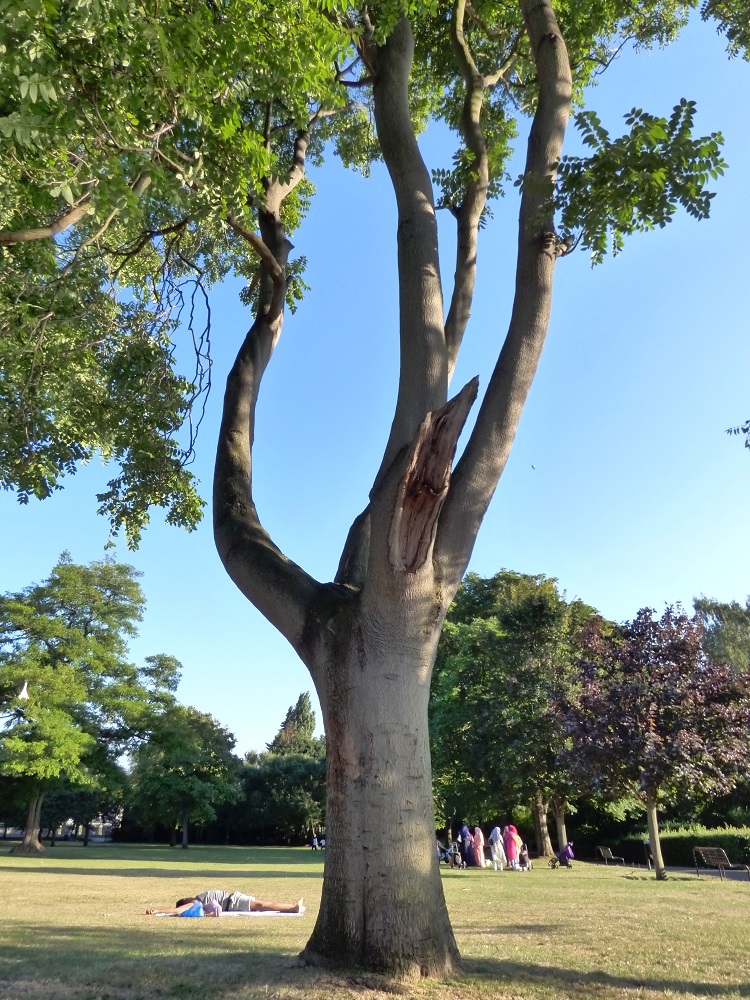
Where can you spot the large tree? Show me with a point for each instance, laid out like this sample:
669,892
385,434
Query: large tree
184,770
158,151
66,639
654,717
296,735
726,630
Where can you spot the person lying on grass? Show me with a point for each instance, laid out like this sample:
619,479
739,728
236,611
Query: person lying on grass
211,903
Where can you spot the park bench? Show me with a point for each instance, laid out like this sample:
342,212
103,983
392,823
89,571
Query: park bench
715,857
608,856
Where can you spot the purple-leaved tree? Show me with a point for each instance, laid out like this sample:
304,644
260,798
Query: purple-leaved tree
654,716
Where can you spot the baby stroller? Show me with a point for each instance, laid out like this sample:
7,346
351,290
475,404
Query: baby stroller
563,858
450,855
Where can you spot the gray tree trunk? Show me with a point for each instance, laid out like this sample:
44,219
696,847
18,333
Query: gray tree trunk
185,828
562,834
539,809
382,905
31,842
653,837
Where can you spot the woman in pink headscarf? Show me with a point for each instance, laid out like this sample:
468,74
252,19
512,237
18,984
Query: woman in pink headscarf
511,843
478,847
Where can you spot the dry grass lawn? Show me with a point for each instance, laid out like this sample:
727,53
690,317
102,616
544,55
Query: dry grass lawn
73,927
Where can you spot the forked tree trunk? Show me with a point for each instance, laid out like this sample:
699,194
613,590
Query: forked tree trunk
382,905
653,837
369,638
558,806
31,844
539,809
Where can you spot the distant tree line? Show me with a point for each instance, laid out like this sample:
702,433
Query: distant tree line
86,734
273,797
540,710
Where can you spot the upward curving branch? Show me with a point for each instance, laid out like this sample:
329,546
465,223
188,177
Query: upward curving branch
63,222
478,472
469,213
281,590
423,382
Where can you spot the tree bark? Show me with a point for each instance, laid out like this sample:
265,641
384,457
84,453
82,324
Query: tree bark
382,906
31,843
653,837
558,806
185,826
539,809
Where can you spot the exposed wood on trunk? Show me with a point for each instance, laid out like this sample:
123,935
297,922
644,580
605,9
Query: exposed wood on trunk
424,485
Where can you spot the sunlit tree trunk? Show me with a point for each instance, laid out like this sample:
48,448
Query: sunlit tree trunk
539,810
558,806
31,843
382,895
653,836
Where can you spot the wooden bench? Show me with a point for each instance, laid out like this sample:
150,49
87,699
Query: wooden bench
608,856
715,857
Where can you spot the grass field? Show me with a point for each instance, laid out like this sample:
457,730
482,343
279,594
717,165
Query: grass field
73,927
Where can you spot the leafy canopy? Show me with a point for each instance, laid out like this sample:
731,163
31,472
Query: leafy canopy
66,639
508,643
142,144
186,767
653,716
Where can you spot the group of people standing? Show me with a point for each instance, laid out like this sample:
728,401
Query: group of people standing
505,846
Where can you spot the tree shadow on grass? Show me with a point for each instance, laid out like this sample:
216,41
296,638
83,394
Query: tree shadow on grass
196,874
129,963
594,982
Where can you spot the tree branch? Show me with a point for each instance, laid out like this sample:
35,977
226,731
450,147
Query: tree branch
469,213
273,268
423,361
70,218
479,470
278,587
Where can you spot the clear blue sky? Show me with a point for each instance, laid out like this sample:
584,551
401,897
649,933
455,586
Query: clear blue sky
622,482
